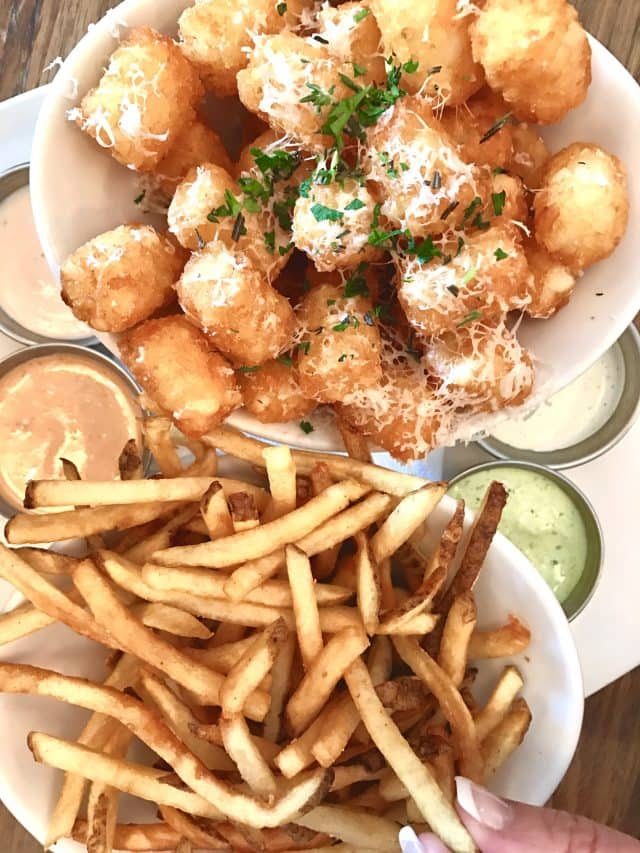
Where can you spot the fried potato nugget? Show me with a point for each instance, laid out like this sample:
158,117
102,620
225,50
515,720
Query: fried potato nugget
552,283
582,208
340,347
482,366
287,82
530,154
469,126
419,171
216,35
353,36
196,144
488,278
272,393
433,34
178,368
536,54
332,223
245,318
205,207
144,99
121,277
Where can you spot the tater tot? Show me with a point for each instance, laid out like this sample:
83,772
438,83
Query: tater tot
206,206
473,127
290,81
121,277
482,367
332,223
418,170
582,208
530,155
246,319
272,393
340,347
433,34
216,35
536,54
196,144
488,278
353,36
144,99
179,369
552,283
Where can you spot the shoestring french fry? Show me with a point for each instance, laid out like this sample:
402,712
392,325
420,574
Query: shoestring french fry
405,519
48,562
135,837
130,464
505,737
215,512
368,585
280,684
324,562
102,801
458,628
157,437
171,620
509,639
497,706
281,473
161,538
305,606
244,512
355,827
355,443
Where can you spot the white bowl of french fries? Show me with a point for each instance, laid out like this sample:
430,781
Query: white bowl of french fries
306,663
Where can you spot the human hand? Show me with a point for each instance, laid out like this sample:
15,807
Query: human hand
503,826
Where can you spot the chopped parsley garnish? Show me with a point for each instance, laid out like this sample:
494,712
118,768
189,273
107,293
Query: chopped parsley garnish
471,317
283,208
283,250
355,204
498,125
360,15
304,347
281,8
331,301
471,209
317,96
344,324
349,83
306,427
453,289
469,275
140,198
249,368
322,213
270,241
498,201
460,245
427,251
239,228
286,360
411,66
498,170
359,70
356,284
449,209
278,164
231,207
385,239
500,254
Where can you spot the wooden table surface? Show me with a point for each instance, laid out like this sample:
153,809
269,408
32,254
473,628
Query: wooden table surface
603,781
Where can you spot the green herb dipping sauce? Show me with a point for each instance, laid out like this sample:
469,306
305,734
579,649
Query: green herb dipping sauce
539,518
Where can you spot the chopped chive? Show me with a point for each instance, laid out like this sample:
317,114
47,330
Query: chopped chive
249,368
238,228
306,427
471,317
322,213
436,181
281,8
500,255
453,289
498,125
498,201
360,15
286,360
140,198
355,204
449,209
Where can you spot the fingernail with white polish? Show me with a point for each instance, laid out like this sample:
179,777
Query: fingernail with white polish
409,842
484,807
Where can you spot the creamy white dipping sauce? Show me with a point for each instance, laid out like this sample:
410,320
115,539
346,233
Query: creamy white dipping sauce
28,292
574,413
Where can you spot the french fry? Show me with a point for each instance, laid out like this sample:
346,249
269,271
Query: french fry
102,802
204,466
196,832
243,511
170,619
157,436
354,442
281,472
405,519
135,837
16,678
350,774
224,656
368,585
53,493
341,467
413,608
333,532
509,639
24,529
305,607
458,628
130,464
245,676
504,693
406,693
161,538
325,561
241,748
320,679
281,679
252,544
297,755
47,562
210,732
501,742
414,625
215,512
453,708
23,620
210,584
354,826
227,632
416,777
131,634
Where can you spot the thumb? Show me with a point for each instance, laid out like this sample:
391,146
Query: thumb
503,826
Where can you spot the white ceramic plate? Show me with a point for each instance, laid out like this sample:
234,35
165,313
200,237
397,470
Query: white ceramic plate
508,584
98,195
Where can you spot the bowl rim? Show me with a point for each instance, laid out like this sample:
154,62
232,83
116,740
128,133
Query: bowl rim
587,513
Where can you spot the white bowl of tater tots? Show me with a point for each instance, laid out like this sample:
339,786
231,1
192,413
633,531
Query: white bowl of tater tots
395,220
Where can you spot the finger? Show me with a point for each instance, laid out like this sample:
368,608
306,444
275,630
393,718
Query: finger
501,826
425,843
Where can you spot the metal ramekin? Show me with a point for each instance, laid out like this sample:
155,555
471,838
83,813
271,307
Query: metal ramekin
602,440
10,181
21,356
584,589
